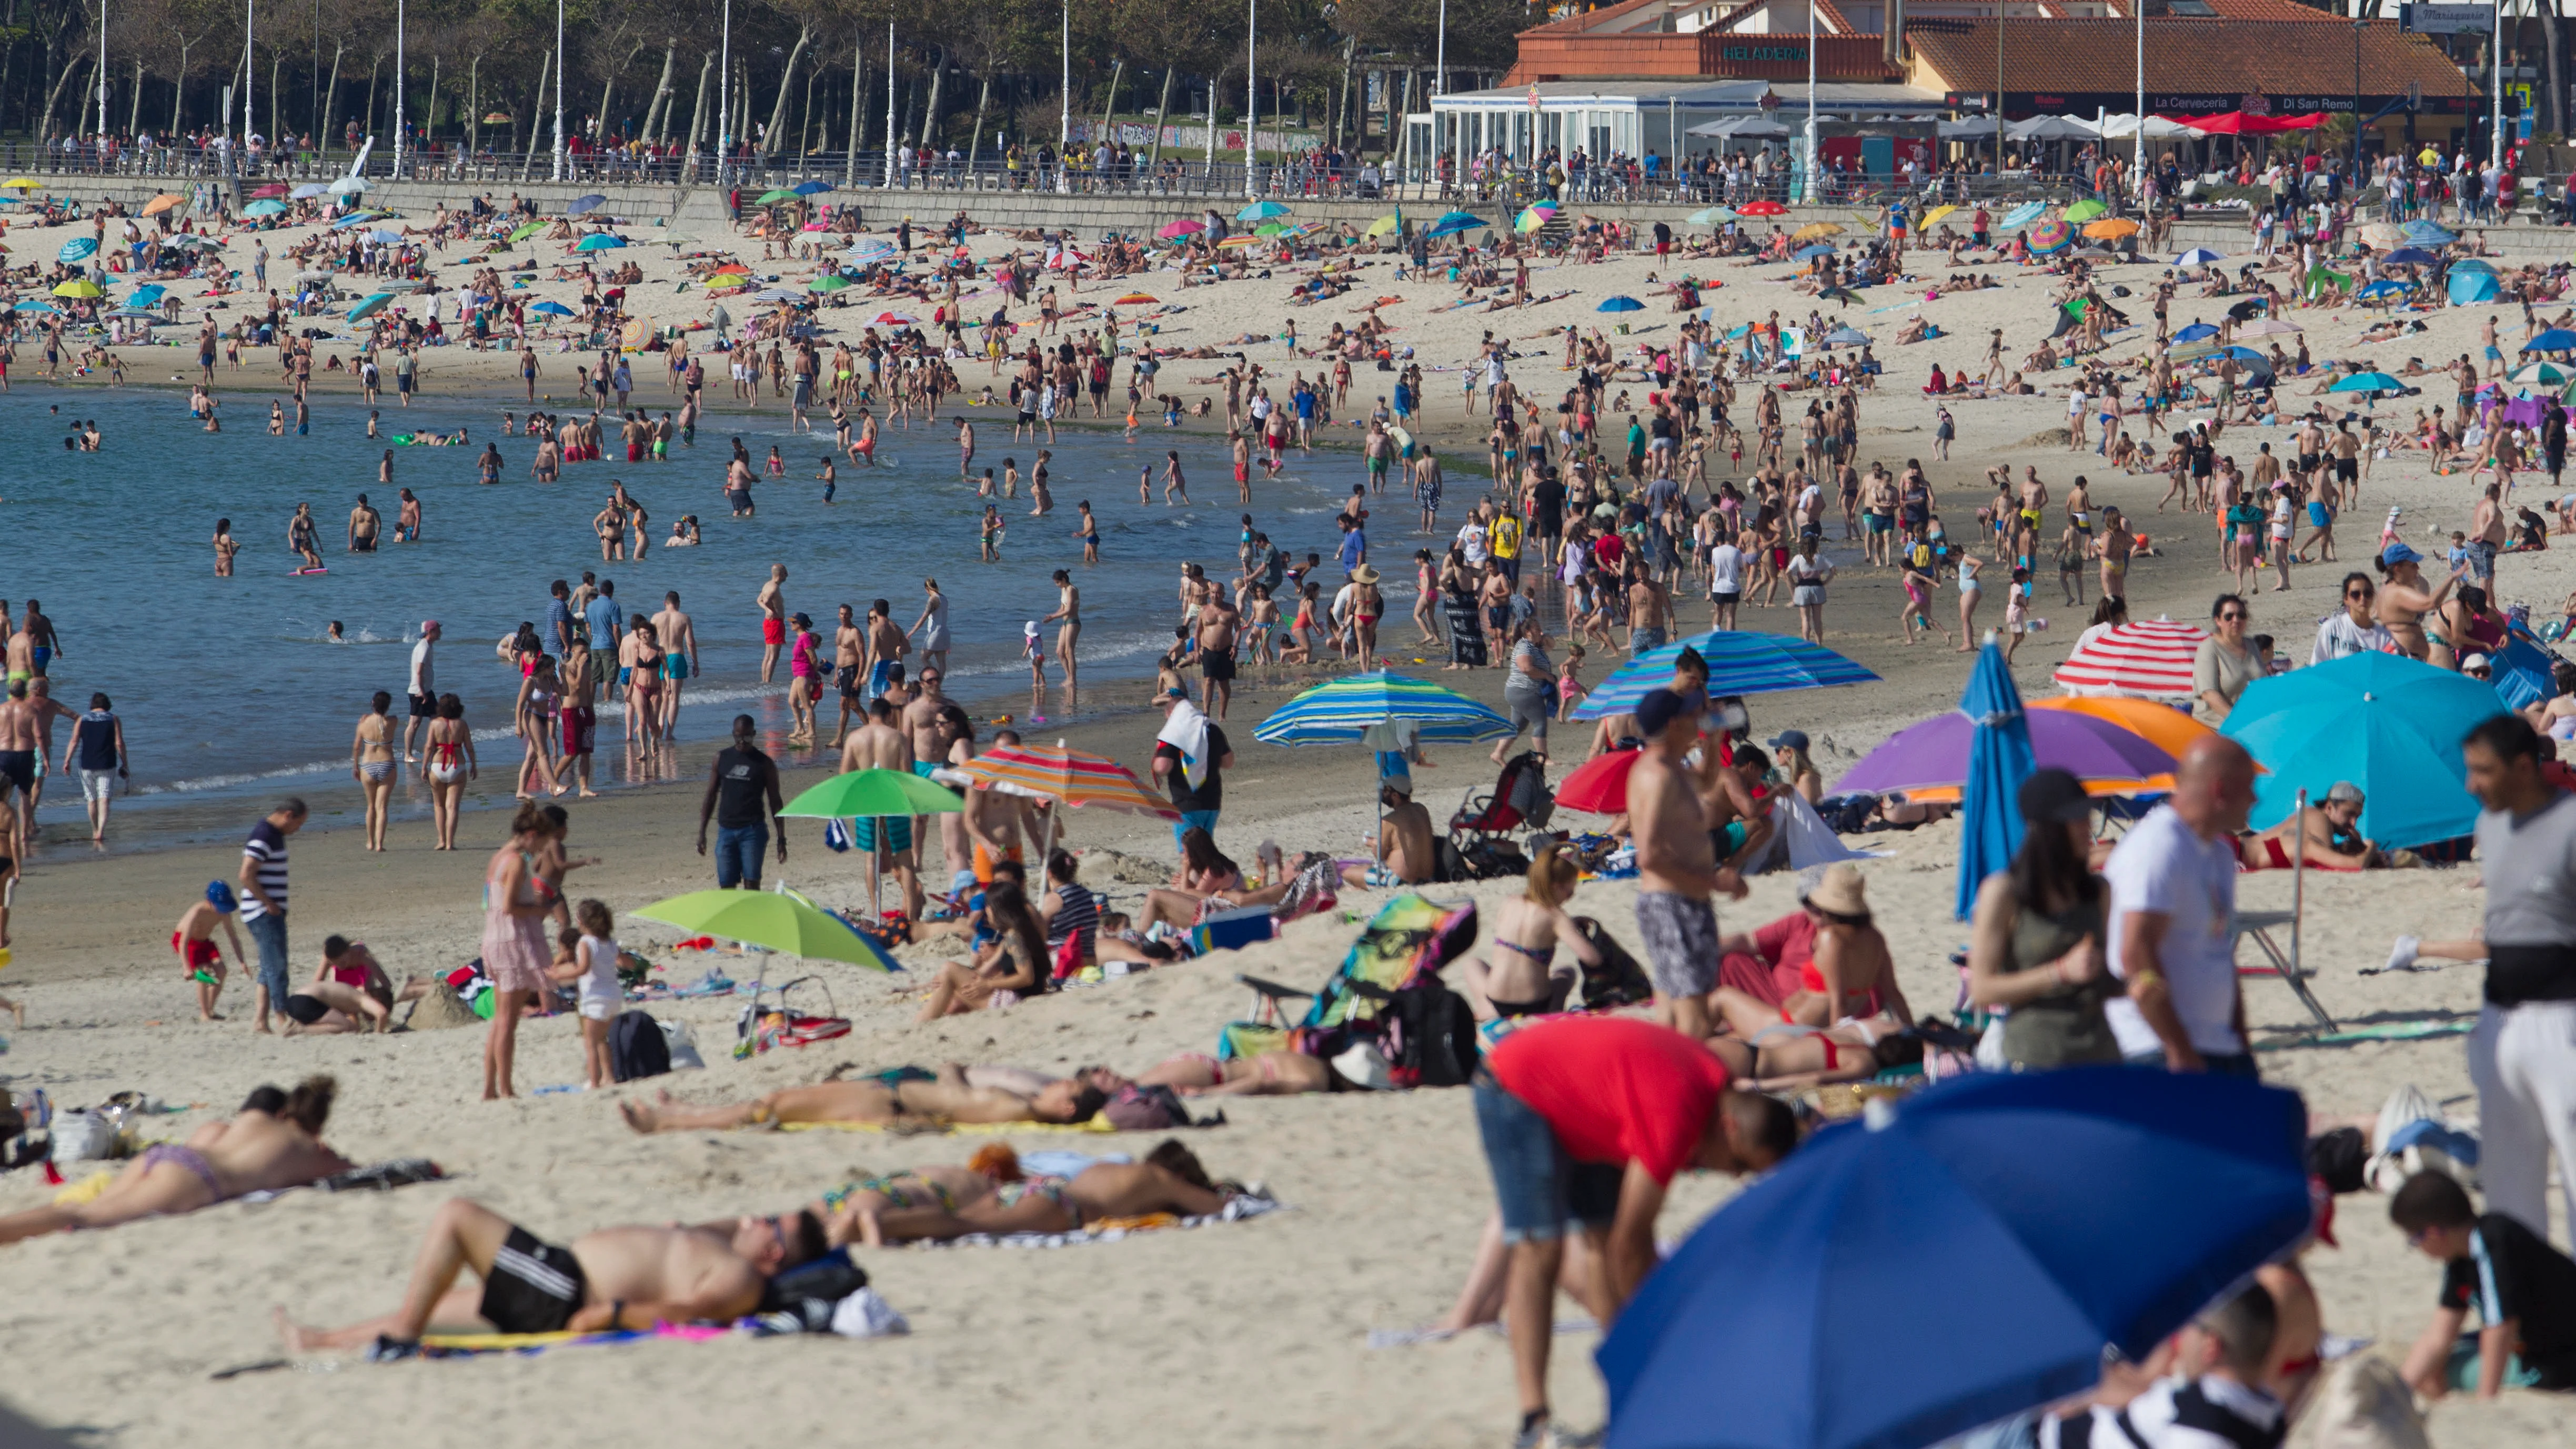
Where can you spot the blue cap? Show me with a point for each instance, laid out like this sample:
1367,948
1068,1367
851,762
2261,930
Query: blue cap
220,896
2398,553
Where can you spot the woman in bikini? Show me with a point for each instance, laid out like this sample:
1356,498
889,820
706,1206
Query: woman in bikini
1301,630
1016,962
1520,977
450,756
1206,874
1851,975
274,1142
851,1213
640,662
371,763
1068,618
1426,587
1169,1180
516,902
535,714
2403,600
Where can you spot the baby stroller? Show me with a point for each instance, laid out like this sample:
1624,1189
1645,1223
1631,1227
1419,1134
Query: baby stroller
1480,834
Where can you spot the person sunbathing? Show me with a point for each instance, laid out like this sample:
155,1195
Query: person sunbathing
1282,1073
2332,838
1169,1180
901,1096
273,1142
1851,973
1785,1058
852,1211
615,1278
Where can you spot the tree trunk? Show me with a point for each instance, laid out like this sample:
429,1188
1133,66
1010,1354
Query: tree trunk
46,127
1342,112
429,113
698,112
375,67
938,75
858,107
276,65
786,81
474,105
8,55
660,109
537,116
805,122
331,96
983,97
607,92
134,108
1109,112
179,87
2557,91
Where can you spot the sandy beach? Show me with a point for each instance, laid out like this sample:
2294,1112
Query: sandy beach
1255,1331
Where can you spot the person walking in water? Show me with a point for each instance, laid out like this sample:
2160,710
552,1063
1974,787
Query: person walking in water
773,620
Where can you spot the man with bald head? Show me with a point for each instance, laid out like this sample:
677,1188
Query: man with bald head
2173,920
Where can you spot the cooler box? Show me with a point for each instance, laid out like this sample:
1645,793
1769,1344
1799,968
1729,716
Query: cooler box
1231,930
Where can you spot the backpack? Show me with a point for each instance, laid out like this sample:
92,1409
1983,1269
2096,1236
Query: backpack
1430,1038
1618,981
636,1047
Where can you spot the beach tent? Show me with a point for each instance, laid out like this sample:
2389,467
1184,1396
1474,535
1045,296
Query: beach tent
2468,289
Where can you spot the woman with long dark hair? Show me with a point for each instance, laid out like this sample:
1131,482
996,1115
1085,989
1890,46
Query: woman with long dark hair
1015,961
2036,945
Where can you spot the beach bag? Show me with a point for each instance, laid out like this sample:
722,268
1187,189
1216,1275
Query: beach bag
682,1044
811,1291
1430,1036
2413,1138
81,1135
1618,981
636,1047
781,1023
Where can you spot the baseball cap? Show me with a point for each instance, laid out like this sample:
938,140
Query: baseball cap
2052,796
2398,553
1789,739
1660,708
2475,661
428,624
220,896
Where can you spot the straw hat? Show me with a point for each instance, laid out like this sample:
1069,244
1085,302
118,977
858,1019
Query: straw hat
1364,574
1841,891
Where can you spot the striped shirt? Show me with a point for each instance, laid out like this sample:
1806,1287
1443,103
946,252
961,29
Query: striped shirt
1079,913
266,851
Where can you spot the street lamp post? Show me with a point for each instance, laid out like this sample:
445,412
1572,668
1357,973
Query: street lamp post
400,116
1812,172
250,71
559,60
889,144
1064,108
724,88
102,73
1251,93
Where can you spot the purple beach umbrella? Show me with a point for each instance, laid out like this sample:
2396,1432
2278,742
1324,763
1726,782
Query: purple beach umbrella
1935,752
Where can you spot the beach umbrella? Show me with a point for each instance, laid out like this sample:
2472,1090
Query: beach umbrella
1532,218
774,196
727,281
500,118
1179,227
2384,722
1764,207
2146,660
2110,228
1710,216
778,294
811,188
1261,211
1270,229
1598,786
32,305
1809,254
371,306
894,319
264,208
2163,726
2195,332
350,186
2084,211
2525,674
1740,661
146,295
2198,257
1938,750
1452,223
828,282
1071,777
2409,257
1134,299
2384,287
2556,339
274,188
1237,243
1392,221
1340,711
2369,382
309,190
1620,304
2102,1206
2384,234
1846,337
78,249
79,287
778,920
2549,374
19,183
163,202
551,309
2022,215
581,205
2427,234
1816,231
600,242
875,794
2052,235
1999,759
385,238
355,218
526,229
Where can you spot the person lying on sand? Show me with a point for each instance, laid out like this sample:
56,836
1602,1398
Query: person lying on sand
274,1142
904,1095
851,1212
631,1277
1281,1073
1169,1180
2333,838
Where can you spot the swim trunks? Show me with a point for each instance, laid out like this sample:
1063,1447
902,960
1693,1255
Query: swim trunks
1681,942
18,767
880,674
533,1287
580,730
1216,665
675,665
773,631
898,832
195,954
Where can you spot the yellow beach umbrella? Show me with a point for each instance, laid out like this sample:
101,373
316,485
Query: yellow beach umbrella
1816,231
162,203
19,183
1935,214
1384,224
78,287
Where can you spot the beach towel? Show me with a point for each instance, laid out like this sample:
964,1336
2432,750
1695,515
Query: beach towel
1186,730
961,1129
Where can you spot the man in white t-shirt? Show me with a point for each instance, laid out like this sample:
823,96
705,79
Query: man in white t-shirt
423,688
2173,920
1725,583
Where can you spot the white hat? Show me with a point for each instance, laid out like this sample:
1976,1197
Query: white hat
1030,628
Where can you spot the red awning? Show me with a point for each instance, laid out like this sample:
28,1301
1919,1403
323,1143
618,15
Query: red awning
2238,123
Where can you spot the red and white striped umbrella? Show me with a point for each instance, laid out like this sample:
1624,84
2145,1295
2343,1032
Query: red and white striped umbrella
2150,660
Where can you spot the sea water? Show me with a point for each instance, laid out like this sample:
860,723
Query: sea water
232,694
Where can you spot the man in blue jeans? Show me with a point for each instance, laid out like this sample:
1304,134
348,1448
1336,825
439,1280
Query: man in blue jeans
1587,1120
742,796
263,900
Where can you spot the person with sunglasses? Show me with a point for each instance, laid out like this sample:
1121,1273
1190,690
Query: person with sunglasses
2226,662
2355,630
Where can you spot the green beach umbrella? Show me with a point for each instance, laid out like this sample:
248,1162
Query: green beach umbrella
874,793
776,920
828,282
2084,211
526,229
772,198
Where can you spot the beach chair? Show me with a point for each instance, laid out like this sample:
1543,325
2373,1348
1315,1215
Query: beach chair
1409,940
1520,800
769,1019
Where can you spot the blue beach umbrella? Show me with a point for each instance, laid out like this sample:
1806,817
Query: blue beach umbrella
78,249
2198,257
371,306
2525,674
2409,257
146,295
2384,287
1341,711
355,218
2427,234
32,305
600,242
309,190
2101,1206
582,205
2469,289
1999,759
2382,721
268,207
2556,339
1454,222
2195,332
551,309
811,188
1261,211
1620,304
2368,382
1740,661
382,237
2473,264
2022,215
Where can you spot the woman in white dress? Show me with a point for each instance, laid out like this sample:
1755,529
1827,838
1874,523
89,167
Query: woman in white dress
931,629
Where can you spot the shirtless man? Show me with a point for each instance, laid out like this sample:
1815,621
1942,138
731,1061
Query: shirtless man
365,525
679,636
878,745
274,1142
996,823
1738,828
945,1098
1878,515
24,758
2034,499
616,1278
772,601
1402,842
849,648
2486,536
407,518
2118,543
1218,625
200,959
886,647
1650,615
2079,507
1676,866
738,477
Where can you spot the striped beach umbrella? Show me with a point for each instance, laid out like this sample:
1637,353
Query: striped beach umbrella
1740,661
2049,236
1340,712
1075,777
2148,660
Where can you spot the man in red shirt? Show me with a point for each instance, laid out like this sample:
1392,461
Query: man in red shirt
1589,1119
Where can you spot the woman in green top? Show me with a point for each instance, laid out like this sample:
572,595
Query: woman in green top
2036,947
2244,542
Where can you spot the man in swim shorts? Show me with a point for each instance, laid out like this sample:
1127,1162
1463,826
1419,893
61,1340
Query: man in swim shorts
23,754
679,638
1677,866
773,620
628,1278
200,959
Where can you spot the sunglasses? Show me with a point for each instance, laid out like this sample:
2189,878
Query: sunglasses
2235,614
2356,593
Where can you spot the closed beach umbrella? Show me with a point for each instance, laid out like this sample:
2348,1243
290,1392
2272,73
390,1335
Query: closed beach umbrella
2102,1206
778,920
2151,659
2384,722
1261,211
1340,711
1740,661
1620,304
78,249
1999,759
600,242
1938,752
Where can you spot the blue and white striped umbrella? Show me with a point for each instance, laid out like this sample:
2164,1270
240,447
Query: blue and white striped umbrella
1740,661
1341,711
